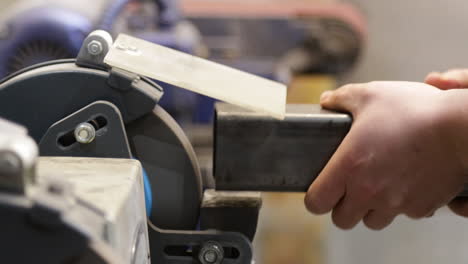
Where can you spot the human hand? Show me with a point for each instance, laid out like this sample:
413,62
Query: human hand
452,79
398,158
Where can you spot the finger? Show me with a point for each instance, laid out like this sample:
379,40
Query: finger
438,80
330,185
378,220
420,210
328,188
350,210
346,98
460,75
459,206
325,193
453,79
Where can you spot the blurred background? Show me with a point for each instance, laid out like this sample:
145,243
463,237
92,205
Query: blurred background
312,46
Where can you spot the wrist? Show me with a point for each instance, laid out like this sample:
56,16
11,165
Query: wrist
452,122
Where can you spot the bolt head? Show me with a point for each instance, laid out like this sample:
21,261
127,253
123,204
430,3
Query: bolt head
210,256
85,133
95,47
211,253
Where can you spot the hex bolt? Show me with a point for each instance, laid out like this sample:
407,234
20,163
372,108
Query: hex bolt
95,47
85,133
211,253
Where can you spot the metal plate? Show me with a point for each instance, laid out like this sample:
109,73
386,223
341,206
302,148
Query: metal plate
110,140
198,75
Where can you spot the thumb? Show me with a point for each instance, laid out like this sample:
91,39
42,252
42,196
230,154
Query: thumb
453,79
345,99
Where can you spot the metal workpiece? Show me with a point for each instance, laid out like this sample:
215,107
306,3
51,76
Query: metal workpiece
256,152
18,154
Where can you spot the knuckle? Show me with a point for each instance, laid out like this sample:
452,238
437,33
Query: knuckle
368,189
366,93
346,91
357,161
395,203
348,87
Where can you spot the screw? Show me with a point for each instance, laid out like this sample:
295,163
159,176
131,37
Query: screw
85,133
95,47
211,253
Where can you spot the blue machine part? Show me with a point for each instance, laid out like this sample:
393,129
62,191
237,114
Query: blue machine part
169,14
111,14
48,32
41,34
148,193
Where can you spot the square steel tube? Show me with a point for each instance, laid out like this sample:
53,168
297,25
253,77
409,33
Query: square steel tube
260,153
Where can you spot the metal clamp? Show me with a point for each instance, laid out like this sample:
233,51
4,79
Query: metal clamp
206,247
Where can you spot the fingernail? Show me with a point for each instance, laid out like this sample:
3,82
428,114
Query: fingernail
325,95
